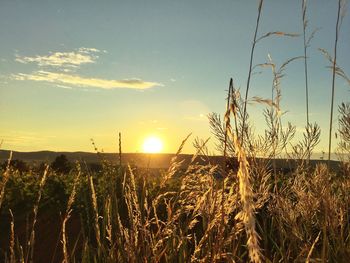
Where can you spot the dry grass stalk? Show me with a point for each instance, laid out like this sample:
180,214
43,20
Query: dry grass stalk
344,122
246,196
109,236
202,200
337,27
227,118
219,243
201,150
30,243
175,163
305,22
12,239
67,216
303,150
344,134
312,248
325,243
96,216
131,234
277,33
251,67
338,70
276,137
120,150
6,177
218,130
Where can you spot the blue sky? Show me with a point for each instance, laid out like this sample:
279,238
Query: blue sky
75,70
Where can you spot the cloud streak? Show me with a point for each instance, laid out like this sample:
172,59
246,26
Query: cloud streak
78,81
58,68
64,60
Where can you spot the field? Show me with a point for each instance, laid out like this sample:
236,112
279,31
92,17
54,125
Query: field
264,199
228,209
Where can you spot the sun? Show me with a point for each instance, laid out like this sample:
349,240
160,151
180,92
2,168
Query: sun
152,145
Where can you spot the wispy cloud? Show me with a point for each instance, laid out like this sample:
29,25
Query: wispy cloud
79,81
63,60
58,68
63,86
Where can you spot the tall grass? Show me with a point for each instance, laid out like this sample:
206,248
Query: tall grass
251,206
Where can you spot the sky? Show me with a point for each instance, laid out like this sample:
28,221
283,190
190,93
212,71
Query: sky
75,70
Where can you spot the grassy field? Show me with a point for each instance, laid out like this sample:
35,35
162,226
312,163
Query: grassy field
241,208
201,212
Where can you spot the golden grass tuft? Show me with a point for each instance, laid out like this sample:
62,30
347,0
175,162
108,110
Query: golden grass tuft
247,215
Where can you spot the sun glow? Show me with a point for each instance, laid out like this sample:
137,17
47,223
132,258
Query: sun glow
152,145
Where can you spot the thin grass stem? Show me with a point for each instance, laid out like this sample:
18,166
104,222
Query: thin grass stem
250,68
333,84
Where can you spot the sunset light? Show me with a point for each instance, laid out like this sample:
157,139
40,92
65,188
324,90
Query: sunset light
152,145
175,131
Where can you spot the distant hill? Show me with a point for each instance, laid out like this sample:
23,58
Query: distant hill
138,159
